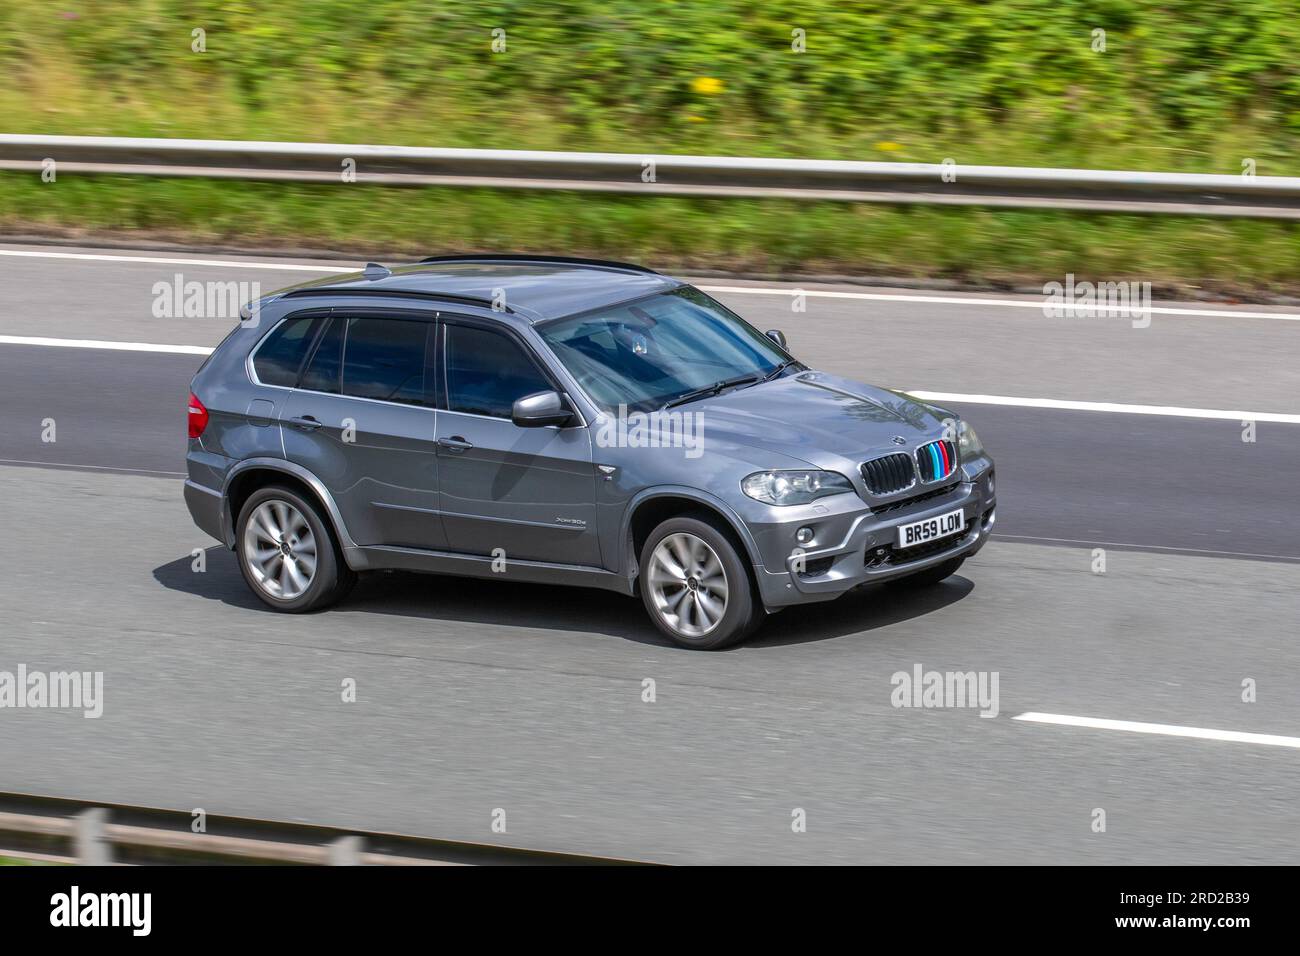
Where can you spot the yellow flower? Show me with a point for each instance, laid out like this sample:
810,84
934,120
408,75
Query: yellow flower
887,147
708,85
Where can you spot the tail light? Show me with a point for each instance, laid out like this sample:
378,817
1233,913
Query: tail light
198,416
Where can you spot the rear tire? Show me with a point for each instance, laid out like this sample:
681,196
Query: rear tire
932,576
696,585
287,552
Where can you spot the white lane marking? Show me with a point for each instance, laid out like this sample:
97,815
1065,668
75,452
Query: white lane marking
1203,552
725,289
102,344
76,467
1171,411
1168,730
161,260
1009,303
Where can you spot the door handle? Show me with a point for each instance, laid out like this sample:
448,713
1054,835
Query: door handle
305,422
455,443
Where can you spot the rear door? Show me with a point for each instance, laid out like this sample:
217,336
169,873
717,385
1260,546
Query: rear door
362,419
527,491
276,363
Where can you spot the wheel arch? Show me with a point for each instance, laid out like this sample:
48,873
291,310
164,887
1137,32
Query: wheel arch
248,476
654,505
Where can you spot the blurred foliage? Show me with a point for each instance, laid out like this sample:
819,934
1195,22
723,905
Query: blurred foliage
1197,85
1181,84
984,246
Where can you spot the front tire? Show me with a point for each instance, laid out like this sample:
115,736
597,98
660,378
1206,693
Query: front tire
696,586
287,552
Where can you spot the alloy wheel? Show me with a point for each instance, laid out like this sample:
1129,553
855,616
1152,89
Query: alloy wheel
280,549
688,584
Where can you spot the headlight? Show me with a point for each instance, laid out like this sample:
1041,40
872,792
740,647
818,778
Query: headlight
794,487
968,442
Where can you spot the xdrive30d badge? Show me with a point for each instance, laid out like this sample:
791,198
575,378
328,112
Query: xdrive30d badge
567,422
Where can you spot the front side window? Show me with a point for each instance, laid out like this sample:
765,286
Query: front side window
487,372
279,358
385,359
645,353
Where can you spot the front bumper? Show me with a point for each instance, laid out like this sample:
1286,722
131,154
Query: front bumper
856,545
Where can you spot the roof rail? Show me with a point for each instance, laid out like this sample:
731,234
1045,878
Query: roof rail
564,260
399,293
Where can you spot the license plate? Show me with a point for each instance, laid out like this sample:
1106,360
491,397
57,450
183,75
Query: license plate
919,532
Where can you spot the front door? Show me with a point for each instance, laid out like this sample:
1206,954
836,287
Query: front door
529,492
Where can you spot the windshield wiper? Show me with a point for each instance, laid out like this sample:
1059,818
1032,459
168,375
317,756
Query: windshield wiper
778,370
713,389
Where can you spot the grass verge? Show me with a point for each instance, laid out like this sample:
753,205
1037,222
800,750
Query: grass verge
997,248
11,861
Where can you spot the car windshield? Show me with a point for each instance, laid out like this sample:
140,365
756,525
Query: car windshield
647,353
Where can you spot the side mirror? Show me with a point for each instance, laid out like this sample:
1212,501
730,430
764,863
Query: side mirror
777,336
539,409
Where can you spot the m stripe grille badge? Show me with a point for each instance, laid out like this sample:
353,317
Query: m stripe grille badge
937,460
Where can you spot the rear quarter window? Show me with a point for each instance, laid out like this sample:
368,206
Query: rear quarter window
279,359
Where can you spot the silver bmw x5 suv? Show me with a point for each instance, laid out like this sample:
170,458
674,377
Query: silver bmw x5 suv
568,422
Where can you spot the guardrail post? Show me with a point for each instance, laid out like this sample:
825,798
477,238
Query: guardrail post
89,843
346,851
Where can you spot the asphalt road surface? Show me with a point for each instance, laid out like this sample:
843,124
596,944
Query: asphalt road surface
477,696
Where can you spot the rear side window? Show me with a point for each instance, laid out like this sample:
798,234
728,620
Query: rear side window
386,359
326,364
280,357
487,372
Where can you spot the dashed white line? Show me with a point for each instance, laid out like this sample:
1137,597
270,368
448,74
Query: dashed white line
73,466
1012,401
1195,552
971,300
1000,303
103,344
1167,730
1171,411
170,261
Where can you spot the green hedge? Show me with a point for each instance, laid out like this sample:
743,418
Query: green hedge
1182,84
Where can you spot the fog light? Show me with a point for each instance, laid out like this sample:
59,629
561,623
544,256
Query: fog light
804,535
